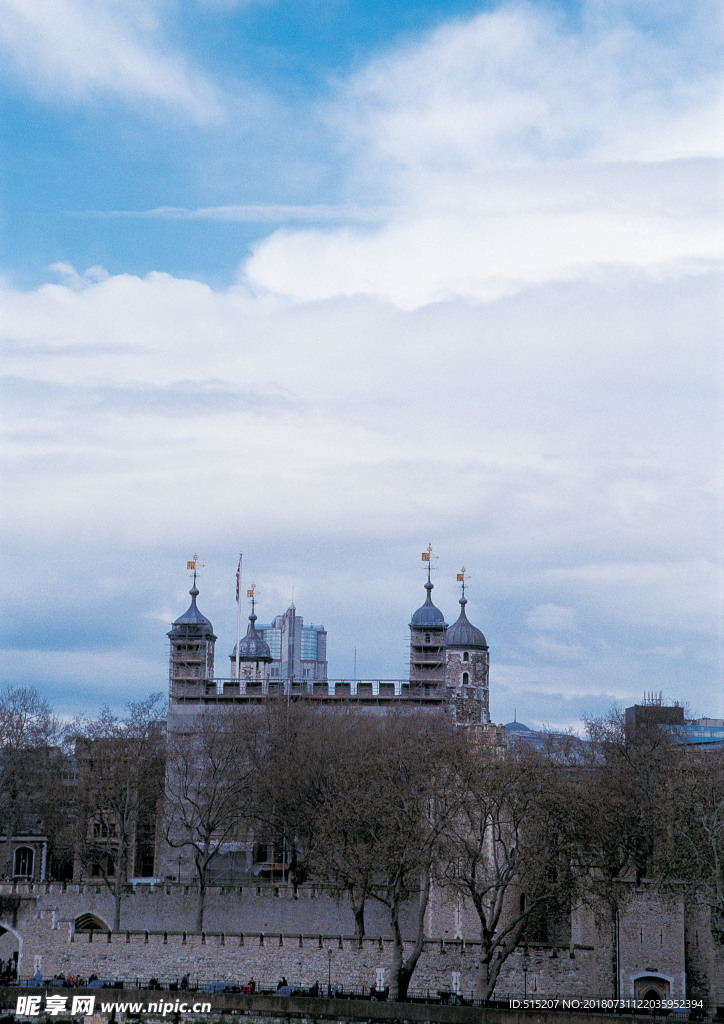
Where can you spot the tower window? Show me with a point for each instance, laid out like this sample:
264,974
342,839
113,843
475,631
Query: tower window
427,638
23,862
466,656
465,679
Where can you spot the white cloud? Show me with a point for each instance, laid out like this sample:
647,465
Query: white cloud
260,213
553,618
557,442
548,420
512,150
77,48
517,85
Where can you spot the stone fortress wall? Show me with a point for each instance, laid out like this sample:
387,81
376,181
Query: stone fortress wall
46,922
265,932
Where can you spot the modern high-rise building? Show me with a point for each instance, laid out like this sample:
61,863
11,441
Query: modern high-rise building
299,651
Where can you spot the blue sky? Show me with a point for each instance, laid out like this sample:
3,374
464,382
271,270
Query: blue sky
326,281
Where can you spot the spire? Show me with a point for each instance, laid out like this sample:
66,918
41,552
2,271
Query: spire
193,564
462,633
461,580
253,647
192,619
427,556
428,615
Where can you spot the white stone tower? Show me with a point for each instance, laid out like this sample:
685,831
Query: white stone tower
427,640
191,661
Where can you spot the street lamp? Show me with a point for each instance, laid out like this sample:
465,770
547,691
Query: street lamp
329,972
526,968
178,879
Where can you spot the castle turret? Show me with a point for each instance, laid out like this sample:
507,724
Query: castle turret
192,650
254,658
427,640
467,665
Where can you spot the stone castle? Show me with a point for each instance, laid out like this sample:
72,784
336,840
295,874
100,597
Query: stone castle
449,667
650,949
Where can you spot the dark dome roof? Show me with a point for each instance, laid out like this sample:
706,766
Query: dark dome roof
462,633
517,727
192,621
428,614
253,647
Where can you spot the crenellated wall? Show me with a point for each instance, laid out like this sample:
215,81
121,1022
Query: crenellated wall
267,931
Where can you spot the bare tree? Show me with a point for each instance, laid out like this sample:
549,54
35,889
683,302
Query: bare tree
688,843
415,758
651,804
508,848
357,797
209,792
346,822
29,736
119,770
378,824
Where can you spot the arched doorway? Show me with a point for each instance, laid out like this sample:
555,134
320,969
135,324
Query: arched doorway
11,952
651,986
90,923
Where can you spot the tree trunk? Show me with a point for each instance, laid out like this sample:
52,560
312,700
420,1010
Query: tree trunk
493,954
117,895
403,969
359,920
487,977
200,900
398,988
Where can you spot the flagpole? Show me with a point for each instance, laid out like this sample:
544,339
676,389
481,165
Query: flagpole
238,615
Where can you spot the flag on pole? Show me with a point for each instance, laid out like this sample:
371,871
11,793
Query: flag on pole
191,565
238,577
461,577
426,556
250,593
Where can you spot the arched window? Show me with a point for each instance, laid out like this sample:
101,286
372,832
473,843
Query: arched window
465,679
23,862
466,656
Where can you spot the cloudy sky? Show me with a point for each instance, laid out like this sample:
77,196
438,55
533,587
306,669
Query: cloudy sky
324,281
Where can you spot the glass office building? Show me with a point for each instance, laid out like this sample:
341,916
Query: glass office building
299,651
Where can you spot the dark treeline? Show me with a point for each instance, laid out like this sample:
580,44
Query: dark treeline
389,808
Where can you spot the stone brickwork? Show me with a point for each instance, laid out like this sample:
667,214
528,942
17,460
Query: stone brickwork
51,946
265,932
233,908
704,957
651,945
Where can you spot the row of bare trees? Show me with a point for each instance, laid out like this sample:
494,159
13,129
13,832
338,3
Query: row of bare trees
390,808
383,809
92,787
